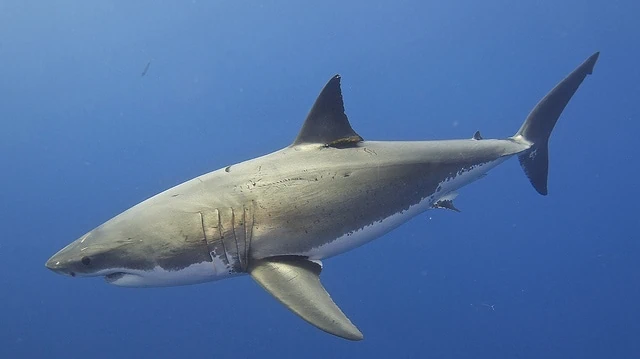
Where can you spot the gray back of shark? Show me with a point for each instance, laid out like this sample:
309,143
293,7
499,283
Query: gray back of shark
277,216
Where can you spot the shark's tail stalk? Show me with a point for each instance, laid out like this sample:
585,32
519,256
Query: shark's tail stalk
536,129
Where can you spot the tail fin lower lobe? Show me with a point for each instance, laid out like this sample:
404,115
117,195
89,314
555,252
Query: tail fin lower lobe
537,128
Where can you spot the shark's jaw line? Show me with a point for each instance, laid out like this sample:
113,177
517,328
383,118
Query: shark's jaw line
206,271
159,277
114,277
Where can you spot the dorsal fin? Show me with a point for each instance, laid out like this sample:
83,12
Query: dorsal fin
477,136
327,123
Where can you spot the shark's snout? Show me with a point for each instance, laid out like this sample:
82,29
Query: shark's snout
52,264
59,265
71,260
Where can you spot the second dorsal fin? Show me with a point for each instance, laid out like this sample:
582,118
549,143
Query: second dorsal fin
327,123
446,202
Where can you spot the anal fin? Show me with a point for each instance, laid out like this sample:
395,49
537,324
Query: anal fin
295,282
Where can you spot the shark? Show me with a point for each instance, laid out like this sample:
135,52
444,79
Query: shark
279,216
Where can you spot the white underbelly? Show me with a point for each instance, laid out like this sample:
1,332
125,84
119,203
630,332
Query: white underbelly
376,229
367,233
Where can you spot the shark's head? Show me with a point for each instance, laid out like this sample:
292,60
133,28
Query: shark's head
146,246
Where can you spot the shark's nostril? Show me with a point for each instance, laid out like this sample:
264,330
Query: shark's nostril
73,274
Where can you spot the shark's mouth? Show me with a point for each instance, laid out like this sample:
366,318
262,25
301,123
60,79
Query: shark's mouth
158,276
126,278
110,278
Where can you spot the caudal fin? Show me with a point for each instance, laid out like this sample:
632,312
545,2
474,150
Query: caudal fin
537,128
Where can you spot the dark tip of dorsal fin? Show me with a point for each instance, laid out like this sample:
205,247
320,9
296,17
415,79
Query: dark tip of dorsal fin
327,123
477,136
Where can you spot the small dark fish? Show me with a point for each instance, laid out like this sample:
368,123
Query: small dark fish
146,68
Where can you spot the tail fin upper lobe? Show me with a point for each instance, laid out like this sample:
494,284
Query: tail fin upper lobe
537,128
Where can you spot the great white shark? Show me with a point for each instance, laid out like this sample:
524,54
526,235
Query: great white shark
276,217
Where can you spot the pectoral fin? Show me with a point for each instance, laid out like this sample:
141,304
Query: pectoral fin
295,282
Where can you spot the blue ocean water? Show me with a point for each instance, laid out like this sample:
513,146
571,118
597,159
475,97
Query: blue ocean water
514,275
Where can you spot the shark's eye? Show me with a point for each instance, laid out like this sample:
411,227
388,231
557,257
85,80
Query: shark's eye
86,260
